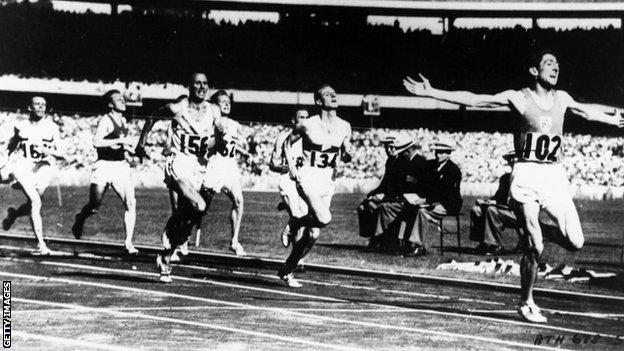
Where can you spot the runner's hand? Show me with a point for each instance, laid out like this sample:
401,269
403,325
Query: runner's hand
418,88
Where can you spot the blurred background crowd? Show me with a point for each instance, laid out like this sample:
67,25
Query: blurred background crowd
589,160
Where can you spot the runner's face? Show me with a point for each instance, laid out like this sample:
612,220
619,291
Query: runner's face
328,100
224,104
199,87
118,102
301,114
549,70
37,107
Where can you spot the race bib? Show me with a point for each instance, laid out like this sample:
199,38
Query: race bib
193,144
229,150
321,159
541,147
36,152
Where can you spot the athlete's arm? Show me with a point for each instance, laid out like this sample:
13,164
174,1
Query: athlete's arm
296,134
276,164
346,149
14,141
55,150
466,98
593,112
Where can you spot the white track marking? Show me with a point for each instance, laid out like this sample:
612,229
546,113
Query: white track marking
184,322
226,308
341,269
283,311
352,287
70,342
322,298
195,280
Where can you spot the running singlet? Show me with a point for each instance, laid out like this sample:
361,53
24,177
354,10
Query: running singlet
113,153
230,136
538,136
321,148
296,150
191,135
35,139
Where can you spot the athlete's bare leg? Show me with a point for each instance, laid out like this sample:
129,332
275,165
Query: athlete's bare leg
190,207
96,196
318,217
528,213
127,196
33,197
236,215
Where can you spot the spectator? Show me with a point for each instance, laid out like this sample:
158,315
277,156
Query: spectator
442,198
404,173
489,218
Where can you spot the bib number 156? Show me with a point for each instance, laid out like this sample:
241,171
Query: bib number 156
541,147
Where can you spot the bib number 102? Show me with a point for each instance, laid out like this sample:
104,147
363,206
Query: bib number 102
541,147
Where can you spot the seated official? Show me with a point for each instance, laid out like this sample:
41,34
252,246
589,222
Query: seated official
489,218
442,198
378,213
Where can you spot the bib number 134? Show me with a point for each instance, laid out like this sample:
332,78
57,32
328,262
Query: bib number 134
541,147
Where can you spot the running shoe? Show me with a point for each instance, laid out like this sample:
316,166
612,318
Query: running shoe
290,280
130,249
44,251
531,313
164,270
175,257
237,248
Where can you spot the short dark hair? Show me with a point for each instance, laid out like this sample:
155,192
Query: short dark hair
215,97
317,93
193,75
107,97
538,54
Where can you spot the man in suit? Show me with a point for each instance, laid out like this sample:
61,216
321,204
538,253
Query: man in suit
405,173
442,196
489,218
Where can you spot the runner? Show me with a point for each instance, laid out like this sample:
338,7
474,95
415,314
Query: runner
538,180
292,201
223,172
111,169
196,130
32,150
324,137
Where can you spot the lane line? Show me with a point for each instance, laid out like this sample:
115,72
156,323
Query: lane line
283,311
224,308
352,287
195,280
70,342
322,298
337,269
184,322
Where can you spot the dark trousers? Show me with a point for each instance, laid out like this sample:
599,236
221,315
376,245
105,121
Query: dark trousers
487,223
418,222
379,218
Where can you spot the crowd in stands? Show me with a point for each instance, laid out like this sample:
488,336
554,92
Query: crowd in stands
296,54
589,160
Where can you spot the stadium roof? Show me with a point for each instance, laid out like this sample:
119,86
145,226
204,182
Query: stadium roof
443,8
